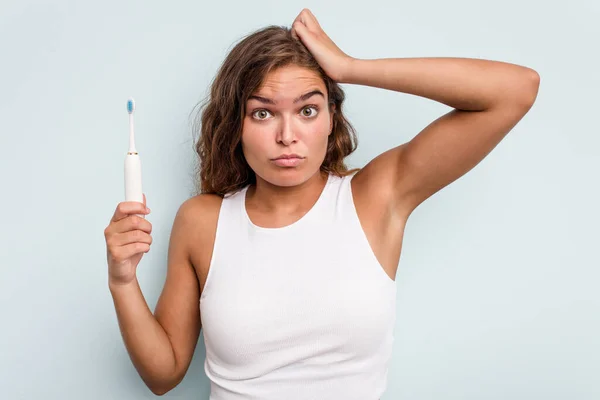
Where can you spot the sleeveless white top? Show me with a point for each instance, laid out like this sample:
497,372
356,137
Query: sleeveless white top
299,312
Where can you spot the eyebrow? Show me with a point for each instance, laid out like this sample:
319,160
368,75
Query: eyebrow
304,97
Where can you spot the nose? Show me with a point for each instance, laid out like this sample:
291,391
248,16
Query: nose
286,134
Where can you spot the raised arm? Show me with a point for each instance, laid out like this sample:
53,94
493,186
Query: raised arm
489,98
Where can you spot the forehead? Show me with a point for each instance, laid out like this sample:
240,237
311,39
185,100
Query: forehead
287,83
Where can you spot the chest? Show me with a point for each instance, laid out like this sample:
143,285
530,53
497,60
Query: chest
383,235
327,299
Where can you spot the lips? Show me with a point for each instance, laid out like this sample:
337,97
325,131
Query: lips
288,160
287,156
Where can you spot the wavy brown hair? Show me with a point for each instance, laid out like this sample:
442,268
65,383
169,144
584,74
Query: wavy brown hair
223,168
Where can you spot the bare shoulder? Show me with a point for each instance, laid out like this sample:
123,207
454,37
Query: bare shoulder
193,227
375,186
201,208
199,216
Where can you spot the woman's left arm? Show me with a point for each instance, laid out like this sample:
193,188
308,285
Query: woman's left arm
489,98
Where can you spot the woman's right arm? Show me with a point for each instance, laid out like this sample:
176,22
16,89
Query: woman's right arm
160,345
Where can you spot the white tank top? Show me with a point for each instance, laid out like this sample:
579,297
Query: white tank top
302,312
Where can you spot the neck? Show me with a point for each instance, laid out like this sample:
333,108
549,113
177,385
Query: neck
268,198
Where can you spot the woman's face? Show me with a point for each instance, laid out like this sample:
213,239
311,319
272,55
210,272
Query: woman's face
288,115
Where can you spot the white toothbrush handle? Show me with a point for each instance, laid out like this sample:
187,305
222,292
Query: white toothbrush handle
133,179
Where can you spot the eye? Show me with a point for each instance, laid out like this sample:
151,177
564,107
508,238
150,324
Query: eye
310,114
260,114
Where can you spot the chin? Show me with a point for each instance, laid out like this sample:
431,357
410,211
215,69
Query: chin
287,176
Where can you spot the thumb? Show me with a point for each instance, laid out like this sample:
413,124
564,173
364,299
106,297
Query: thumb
144,195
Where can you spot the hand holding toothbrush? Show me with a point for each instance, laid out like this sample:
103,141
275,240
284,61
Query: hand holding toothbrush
127,239
128,233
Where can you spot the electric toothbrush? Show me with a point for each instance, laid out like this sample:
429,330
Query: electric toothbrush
133,166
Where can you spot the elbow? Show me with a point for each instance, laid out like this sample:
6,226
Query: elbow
520,93
162,387
529,88
160,390
162,381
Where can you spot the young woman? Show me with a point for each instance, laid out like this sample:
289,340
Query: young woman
287,259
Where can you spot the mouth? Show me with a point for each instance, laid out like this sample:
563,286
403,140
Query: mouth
288,160
288,156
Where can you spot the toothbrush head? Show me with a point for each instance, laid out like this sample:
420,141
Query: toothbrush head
130,106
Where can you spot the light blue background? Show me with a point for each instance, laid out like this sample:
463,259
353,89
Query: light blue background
498,280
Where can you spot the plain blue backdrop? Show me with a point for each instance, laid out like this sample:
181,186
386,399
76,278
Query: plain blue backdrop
498,280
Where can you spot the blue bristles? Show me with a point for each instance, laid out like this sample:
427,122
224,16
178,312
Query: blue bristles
130,106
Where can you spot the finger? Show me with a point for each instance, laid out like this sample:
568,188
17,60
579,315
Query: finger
296,21
293,29
136,236
294,33
126,208
309,20
132,223
128,224
144,194
300,29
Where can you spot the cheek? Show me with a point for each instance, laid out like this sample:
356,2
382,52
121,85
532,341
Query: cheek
252,140
316,134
